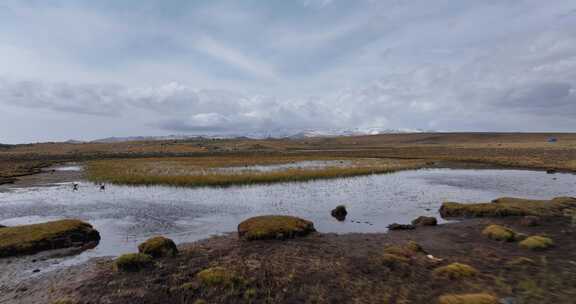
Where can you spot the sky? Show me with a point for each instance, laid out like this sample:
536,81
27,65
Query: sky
92,69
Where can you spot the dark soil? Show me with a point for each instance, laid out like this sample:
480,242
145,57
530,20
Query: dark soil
329,268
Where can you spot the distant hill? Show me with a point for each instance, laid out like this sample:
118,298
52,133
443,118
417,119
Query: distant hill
262,135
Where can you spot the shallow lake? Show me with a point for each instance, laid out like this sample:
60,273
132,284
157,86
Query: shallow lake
127,215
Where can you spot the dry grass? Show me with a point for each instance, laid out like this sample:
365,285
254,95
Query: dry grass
200,171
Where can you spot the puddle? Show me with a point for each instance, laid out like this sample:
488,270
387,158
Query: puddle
127,215
307,165
68,168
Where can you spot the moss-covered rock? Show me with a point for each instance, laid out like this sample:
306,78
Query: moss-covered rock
455,271
425,221
132,262
537,242
476,298
499,233
218,276
509,206
158,246
29,239
274,227
339,212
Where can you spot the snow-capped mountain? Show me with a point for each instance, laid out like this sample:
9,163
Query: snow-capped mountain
268,134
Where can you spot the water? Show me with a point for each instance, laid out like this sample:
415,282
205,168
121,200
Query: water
307,164
127,215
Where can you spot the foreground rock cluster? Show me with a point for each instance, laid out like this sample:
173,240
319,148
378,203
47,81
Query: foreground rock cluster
278,259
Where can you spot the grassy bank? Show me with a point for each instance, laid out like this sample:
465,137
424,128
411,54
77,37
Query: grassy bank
199,171
28,239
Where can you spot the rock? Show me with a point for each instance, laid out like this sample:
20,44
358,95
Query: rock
274,227
340,212
29,239
551,171
530,220
158,247
425,221
36,270
132,262
397,226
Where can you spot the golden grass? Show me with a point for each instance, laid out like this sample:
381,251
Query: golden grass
202,171
52,235
477,298
455,271
499,233
537,242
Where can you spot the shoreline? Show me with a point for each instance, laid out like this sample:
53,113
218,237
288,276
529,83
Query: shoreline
456,241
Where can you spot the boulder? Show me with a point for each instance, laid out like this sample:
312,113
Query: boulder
274,227
158,247
397,226
340,212
425,221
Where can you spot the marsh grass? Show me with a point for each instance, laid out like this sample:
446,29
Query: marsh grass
199,171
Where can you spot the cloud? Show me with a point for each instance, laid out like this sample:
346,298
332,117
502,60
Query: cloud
221,66
234,57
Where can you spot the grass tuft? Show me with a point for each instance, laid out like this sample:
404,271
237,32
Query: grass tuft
537,242
455,271
476,298
28,239
508,206
499,233
274,227
132,262
158,246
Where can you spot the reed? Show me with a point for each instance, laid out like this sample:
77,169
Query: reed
196,172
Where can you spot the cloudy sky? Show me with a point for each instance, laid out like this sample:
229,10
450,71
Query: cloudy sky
91,69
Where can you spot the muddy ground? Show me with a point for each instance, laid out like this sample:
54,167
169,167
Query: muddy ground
329,268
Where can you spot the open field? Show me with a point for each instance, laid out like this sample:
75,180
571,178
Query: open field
525,150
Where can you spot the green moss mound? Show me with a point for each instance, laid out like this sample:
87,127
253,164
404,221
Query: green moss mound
218,276
455,271
132,262
274,227
158,246
29,239
537,242
476,298
499,233
509,206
